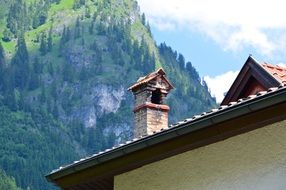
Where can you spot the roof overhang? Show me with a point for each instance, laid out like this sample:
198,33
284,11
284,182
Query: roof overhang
98,171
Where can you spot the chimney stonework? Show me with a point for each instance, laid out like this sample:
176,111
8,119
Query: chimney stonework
151,114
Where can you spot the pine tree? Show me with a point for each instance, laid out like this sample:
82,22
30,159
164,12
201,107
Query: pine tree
50,40
68,34
50,69
20,63
8,79
62,41
143,19
192,71
149,28
77,29
2,65
37,67
10,99
43,96
82,30
22,48
43,44
2,57
18,18
11,20
21,101
181,61
34,81
64,33
90,28
153,62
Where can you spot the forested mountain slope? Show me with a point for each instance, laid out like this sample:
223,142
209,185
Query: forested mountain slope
65,66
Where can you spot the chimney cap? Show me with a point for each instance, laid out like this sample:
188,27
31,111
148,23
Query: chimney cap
143,80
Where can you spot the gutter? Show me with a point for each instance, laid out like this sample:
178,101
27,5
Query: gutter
260,101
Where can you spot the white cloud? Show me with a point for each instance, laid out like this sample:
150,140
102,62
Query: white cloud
220,84
282,65
163,25
232,24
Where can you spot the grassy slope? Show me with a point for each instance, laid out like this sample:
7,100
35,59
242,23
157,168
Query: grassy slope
64,5
63,14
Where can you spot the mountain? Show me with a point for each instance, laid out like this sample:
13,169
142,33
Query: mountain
65,66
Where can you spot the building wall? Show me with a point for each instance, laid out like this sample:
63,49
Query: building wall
255,160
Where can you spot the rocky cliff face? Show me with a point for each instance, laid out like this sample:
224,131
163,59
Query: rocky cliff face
96,102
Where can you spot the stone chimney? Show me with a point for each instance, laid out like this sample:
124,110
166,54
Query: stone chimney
151,114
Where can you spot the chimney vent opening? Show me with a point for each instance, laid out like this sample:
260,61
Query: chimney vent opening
156,97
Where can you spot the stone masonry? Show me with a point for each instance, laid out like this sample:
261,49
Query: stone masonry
151,114
149,120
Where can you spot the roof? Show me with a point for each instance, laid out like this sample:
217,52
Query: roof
253,75
277,71
239,110
149,77
252,103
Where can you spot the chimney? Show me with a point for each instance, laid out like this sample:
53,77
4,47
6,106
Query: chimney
151,114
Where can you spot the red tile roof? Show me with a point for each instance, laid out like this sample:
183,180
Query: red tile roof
278,72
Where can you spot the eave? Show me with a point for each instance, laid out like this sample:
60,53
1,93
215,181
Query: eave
98,171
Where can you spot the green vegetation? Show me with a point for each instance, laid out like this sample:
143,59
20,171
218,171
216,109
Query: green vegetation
29,141
64,70
62,5
6,182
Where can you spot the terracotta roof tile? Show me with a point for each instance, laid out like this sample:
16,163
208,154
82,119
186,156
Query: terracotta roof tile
149,77
278,72
145,79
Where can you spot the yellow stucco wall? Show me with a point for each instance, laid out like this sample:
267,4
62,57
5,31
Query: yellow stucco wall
255,160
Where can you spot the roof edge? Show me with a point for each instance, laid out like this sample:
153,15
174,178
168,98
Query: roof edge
253,66
224,113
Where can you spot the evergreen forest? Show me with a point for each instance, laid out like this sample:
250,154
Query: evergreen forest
65,66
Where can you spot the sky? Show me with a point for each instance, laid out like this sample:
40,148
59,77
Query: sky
218,36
